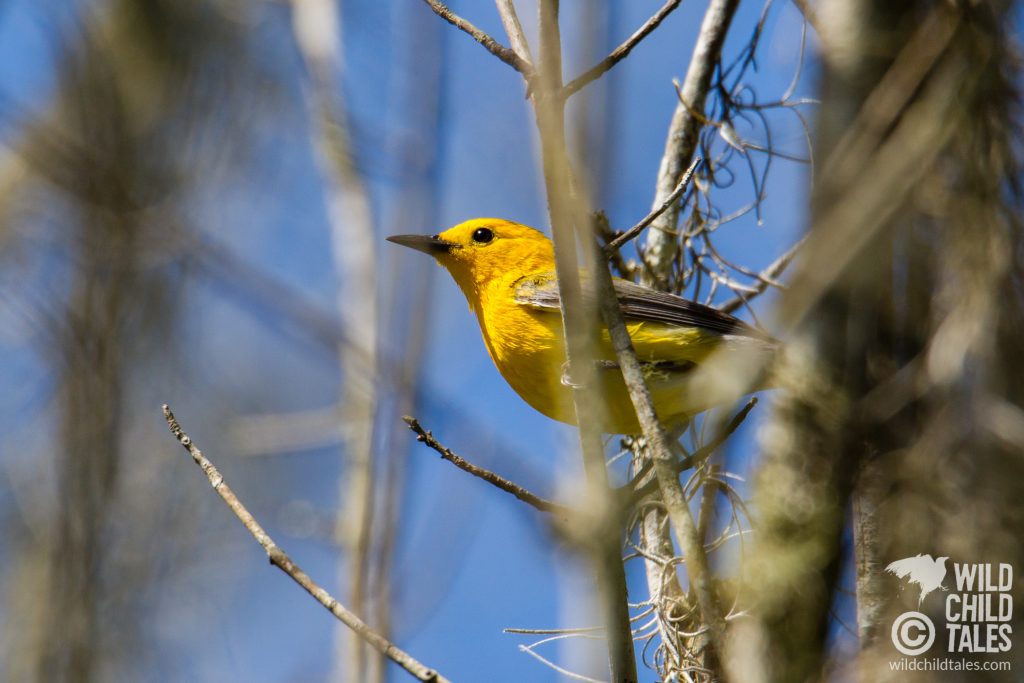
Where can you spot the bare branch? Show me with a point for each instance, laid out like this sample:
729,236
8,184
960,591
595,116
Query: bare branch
503,53
684,182
664,463
548,663
683,131
514,30
497,480
279,559
659,255
621,52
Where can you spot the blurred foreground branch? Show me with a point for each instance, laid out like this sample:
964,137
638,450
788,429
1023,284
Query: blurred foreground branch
318,34
600,532
903,334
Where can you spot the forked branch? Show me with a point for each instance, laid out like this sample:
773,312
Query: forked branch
503,53
514,29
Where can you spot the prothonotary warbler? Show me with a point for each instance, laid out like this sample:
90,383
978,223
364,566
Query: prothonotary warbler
507,272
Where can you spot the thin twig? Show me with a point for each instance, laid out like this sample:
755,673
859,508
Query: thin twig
626,236
503,53
425,437
565,672
620,53
810,15
553,631
280,559
764,278
514,30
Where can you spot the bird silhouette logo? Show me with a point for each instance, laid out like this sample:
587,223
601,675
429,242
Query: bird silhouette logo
922,570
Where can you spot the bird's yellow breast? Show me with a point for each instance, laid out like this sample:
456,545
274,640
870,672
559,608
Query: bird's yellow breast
527,347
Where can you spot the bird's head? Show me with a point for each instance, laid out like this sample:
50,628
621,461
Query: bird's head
482,249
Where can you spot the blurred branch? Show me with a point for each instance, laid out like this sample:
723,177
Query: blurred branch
626,236
280,559
273,433
494,47
418,102
889,147
316,25
426,438
913,123
292,311
604,232
601,531
683,134
621,52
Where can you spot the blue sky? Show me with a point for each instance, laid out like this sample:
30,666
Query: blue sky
472,561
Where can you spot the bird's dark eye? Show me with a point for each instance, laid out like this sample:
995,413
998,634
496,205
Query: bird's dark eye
483,235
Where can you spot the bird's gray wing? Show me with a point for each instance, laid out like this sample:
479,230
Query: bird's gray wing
640,303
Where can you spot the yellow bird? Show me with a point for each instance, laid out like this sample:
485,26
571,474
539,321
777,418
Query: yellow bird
507,272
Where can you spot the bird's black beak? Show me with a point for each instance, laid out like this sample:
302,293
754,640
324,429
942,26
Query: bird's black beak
428,244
